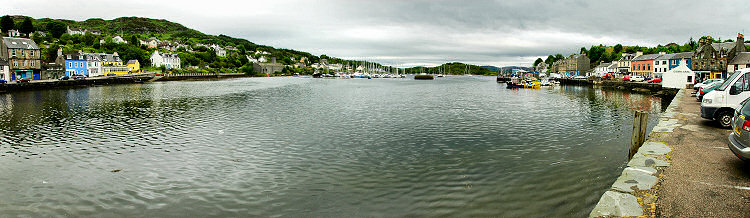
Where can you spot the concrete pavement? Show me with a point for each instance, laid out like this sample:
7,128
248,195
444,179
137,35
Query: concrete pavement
705,179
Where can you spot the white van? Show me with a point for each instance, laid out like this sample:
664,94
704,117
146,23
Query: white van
720,103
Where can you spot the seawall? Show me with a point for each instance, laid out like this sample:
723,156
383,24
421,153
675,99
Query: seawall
639,87
51,84
634,193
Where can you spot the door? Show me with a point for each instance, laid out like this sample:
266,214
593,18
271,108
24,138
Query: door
742,85
37,76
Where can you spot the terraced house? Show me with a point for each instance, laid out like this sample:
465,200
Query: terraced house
713,58
23,58
643,65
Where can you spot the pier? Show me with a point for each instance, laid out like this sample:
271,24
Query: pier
684,169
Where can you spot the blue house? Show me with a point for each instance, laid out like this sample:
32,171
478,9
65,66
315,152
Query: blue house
75,63
674,61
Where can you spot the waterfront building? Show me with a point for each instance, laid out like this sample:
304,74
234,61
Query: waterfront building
602,69
541,67
268,68
559,67
715,57
678,77
4,70
134,66
52,71
168,60
75,63
661,64
251,59
624,64
111,63
23,57
675,60
740,61
577,65
643,65
93,64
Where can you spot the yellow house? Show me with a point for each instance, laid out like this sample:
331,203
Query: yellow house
134,66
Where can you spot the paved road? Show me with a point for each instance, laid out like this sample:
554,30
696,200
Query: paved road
705,179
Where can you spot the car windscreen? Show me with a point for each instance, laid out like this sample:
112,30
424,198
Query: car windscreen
713,85
729,81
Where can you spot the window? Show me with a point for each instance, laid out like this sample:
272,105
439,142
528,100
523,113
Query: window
690,79
664,62
70,64
15,63
31,53
13,53
32,63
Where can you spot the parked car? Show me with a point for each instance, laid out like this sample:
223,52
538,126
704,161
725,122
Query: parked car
23,80
708,81
64,78
706,89
721,103
111,74
78,77
2,81
657,80
637,79
579,77
608,76
626,78
739,139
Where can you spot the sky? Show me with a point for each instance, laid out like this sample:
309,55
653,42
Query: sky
407,33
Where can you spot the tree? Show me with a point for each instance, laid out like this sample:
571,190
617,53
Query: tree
89,38
583,50
134,40
27,26
538,60
56,28
618,48
6,23
550,60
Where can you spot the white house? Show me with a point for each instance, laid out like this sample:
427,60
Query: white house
14,33
219,51
740,61
661,64
251,59
263,59
76,31
168,60
118,40
602,69
93,64
678,77
4,70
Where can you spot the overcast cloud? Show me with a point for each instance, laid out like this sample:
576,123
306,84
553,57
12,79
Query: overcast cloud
422,32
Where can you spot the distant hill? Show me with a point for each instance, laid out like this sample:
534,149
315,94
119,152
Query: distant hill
454,68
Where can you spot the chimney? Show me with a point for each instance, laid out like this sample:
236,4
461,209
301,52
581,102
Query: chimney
638,53
273,60
740,46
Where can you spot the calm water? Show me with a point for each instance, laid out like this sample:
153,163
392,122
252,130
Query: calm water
302,147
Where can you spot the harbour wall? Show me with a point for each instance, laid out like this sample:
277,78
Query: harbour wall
633,194
51,84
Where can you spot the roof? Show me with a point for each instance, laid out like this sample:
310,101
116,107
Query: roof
646,57
132,61
92,57
665,57
21,43
682,55
74,56
604,65
166,55
741,58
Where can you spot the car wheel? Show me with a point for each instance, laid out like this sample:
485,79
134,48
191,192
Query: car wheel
725,119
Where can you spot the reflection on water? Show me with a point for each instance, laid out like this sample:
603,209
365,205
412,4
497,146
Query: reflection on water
456,146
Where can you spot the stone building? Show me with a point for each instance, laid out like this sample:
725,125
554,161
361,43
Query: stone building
715,57
23,56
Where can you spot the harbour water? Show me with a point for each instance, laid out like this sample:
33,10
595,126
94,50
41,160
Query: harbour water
303,147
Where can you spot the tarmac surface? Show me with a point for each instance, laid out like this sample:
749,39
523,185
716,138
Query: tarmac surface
705,179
